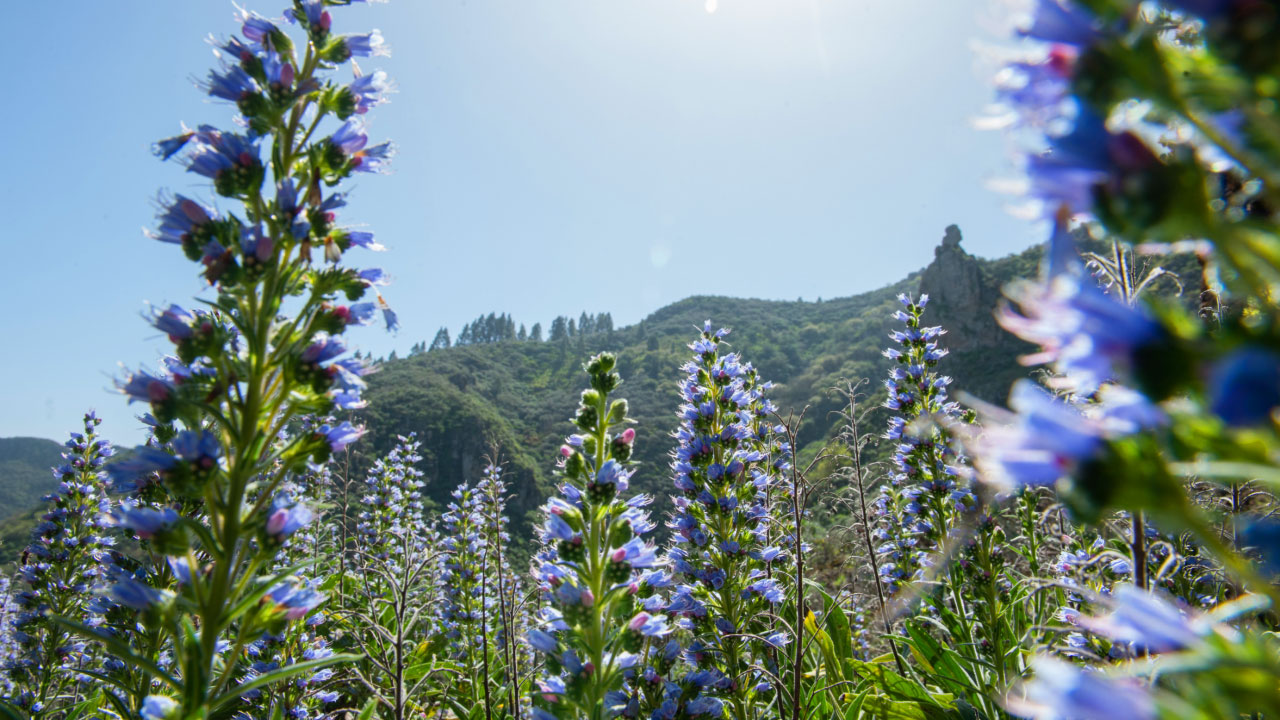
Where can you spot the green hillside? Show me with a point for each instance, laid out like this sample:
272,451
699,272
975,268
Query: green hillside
26,472
519,395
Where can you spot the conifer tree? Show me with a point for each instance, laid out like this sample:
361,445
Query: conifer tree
442,340
559,329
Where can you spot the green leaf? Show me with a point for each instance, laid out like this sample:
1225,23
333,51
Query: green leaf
276,676
366,712
838,628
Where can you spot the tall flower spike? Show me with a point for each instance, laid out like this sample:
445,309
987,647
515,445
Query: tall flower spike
70,558
721,530
590,569
267,355
915,510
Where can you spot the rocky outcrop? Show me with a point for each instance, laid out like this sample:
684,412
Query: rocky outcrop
962,297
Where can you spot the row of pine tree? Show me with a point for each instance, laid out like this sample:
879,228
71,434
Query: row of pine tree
494,328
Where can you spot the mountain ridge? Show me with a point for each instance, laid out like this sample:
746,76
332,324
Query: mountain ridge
517,396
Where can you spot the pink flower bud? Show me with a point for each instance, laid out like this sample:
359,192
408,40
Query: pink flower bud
587,598
276,522
628,436
638,621
566,451
619,555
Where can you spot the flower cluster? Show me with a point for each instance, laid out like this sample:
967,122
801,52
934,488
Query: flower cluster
392,507
721,528
70,558
299,541
927,487
1050,96
266,354
480,594
592,626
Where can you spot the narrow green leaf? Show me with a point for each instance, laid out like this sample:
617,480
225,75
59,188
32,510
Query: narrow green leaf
276,676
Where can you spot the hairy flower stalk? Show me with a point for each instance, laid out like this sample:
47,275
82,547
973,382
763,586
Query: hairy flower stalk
393,606
505,622
929,506
68,561
721,527
593,626
480,593
311,694
391,505
245,369
917,508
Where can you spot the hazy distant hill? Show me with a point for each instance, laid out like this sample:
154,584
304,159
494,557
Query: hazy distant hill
26,475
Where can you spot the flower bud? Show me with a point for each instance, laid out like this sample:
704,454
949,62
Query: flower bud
618,411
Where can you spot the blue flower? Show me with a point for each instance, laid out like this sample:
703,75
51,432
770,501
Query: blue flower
174,322
168,147
365,45
255,27
201,449
1061,691
777,640
769,589
323,349
234,84
159,707
388,315
182,221
351,139
612,473
139,596
543,642
1244,386
216,152
1061,21
1145,621
144,522
1089,336
1263,536
636,553
146,387
1043,442
650,625
369,90
279,71
558,528
341,435
146,460
374,277
294,601
705,705
287,517
181,569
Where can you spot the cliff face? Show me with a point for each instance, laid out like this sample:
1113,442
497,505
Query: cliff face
963,295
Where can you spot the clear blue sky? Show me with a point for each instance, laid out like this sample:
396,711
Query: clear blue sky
771,148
